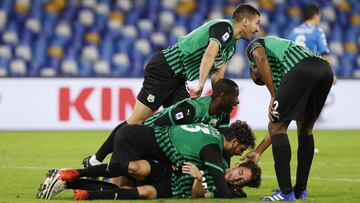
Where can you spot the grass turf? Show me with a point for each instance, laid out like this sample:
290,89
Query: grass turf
26,156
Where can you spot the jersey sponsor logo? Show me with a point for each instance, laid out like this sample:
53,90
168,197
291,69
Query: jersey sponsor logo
225,37
179,116
151,98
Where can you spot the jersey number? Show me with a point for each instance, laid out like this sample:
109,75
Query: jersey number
196,128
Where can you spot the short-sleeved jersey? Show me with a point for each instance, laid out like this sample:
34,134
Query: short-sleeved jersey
183,143
199,107
185,56
311,37
190,139
282,54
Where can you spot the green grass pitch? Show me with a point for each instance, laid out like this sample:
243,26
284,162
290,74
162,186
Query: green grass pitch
26,156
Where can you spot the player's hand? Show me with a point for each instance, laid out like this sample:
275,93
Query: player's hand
272,109
196,93
251,156
191,169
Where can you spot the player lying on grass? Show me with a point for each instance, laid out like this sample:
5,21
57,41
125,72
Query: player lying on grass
156,180
200,144
213,110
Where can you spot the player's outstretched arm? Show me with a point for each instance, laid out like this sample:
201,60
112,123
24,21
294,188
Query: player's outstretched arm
207,62
212,157
257,152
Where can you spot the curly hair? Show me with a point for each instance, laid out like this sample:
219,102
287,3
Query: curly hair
242,132
255,180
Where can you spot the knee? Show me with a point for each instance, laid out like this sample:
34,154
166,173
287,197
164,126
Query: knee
134,168
147,192
277,128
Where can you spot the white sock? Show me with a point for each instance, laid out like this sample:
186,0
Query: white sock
93,161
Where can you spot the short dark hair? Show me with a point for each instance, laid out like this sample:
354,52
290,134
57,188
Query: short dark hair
243,11
255,180
224,85
309,11
241,131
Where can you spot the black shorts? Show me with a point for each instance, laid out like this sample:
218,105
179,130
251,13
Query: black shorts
303,90
136,142
160,178
160,87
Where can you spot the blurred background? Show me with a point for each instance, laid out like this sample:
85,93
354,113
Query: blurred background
114,38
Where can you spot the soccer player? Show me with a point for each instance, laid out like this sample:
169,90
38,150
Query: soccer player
213,110
310,35
206,50
298,82
155,181
199,143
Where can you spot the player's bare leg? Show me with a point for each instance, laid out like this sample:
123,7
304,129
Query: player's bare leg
140,113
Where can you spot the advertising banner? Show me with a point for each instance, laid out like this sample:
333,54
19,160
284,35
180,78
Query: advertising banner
101,103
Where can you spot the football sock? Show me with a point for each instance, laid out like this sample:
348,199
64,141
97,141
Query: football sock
106,170
107,146
305,155
87,184
118,193
282,156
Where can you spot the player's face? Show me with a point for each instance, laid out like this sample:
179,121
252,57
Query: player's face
238,175
230,101
252,26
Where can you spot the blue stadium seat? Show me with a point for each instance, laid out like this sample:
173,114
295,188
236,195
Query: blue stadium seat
115,27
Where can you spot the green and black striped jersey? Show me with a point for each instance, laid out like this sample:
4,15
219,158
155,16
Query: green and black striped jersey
184,142
185,56
181,184
190,111
282,54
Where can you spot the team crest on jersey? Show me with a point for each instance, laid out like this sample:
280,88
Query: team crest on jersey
225,37
179,116
151,98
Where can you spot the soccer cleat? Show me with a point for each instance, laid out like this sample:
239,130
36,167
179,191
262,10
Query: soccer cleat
298,195
44,186
301,195
68,174
81,194
52,185
279,196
